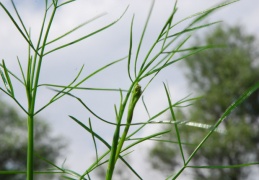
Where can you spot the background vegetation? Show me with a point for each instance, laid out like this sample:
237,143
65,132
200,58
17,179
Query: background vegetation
220,75
13,146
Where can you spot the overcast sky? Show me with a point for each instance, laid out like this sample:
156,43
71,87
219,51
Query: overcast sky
62,66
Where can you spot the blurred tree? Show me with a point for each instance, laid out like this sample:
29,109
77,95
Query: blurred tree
13,144
222,75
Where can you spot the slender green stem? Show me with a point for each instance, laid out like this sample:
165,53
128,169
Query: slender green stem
134,99
111,163
112,160
117,144
30,148
31,95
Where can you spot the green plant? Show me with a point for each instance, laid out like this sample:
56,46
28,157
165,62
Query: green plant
141,72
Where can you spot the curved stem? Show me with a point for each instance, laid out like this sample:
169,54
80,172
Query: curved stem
117,144
134,99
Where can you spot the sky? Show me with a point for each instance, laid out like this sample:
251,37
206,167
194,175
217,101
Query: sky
62,66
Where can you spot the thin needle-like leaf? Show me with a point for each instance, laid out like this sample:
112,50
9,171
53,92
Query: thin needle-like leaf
144,139
66,3
193,48
95,146
20,19
175,125
192,29
130,48
169,21
145,107
164,141
7,78
17,102
86,36
131,168
23,76
24,172
5,81
17,26
51,163
81,88
74,29
168,24
142,37
225,166
116,113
